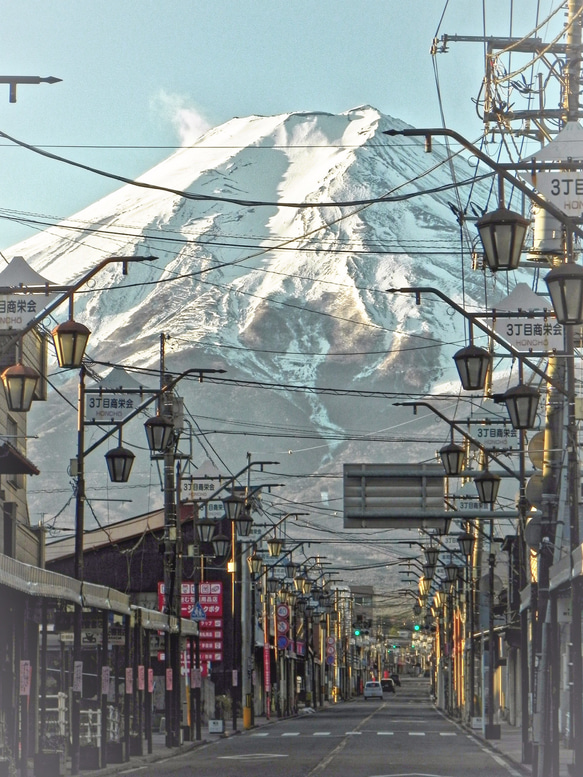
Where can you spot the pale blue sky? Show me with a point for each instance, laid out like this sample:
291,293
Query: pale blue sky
128,66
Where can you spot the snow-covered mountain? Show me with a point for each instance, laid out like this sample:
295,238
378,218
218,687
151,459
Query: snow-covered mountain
273,265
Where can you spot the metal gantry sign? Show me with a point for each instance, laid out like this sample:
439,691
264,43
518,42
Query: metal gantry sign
394,496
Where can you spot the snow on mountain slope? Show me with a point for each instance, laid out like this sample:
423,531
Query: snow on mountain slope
248,280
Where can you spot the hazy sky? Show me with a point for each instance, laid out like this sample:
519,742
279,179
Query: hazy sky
139,73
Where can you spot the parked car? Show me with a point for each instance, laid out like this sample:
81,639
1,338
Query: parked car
388,685
373,690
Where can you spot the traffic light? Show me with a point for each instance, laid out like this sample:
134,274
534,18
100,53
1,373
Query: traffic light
416,627
356,631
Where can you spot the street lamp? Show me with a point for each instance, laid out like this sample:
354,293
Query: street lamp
221,544
451,572
233,505
453,458
502,233
119,464
473,364
20,383
205,531
466,542
487,484
255,562
274,546
522,404
159,431
70,339
565,285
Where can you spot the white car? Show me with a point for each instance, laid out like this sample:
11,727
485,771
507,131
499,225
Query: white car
373,690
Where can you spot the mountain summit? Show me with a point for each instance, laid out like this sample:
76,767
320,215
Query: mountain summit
276,240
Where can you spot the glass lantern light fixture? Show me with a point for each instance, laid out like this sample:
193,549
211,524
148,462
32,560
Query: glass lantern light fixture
466,542
20,382
473,364
502,233
565,285
522,404
119,462
70,340
159,431
453,458
487,484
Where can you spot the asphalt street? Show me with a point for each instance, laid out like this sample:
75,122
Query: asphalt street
401,736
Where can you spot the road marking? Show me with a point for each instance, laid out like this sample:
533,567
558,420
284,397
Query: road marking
291,734
385,733
260,734
250,757
321,733
416,733
447,734
353,733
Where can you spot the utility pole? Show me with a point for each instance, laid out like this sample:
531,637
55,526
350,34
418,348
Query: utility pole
172,567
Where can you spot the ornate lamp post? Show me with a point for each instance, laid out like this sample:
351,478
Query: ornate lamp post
467,542
241,523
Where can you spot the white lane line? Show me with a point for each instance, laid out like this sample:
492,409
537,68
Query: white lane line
447,734
416,733
321,733
353,733
261,734
385,733
291,734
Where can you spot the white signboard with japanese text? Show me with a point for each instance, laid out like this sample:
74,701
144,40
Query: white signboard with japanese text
110,408
525,320
563,189
18,310
532,335
198,489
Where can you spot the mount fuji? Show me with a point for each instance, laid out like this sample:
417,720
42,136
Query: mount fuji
276,239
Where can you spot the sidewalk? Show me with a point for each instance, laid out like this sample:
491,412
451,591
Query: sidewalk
510,746
159,751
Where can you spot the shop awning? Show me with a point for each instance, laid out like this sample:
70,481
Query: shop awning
12,462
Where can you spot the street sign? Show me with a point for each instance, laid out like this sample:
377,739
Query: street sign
198,613
525,320
394,496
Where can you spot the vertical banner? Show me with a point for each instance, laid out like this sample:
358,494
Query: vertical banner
266,668
235,678
169,679
141,677
150,680
78,677
104,680
25,678
129,680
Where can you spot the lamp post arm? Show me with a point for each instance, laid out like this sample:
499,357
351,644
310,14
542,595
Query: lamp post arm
66,292
155,396
231,480
458,429
496,167
473,318
275,525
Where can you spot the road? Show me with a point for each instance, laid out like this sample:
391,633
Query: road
401,736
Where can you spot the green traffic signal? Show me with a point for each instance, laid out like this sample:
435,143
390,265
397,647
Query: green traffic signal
416,627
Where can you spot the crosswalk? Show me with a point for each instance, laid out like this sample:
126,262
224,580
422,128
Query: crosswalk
353,733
